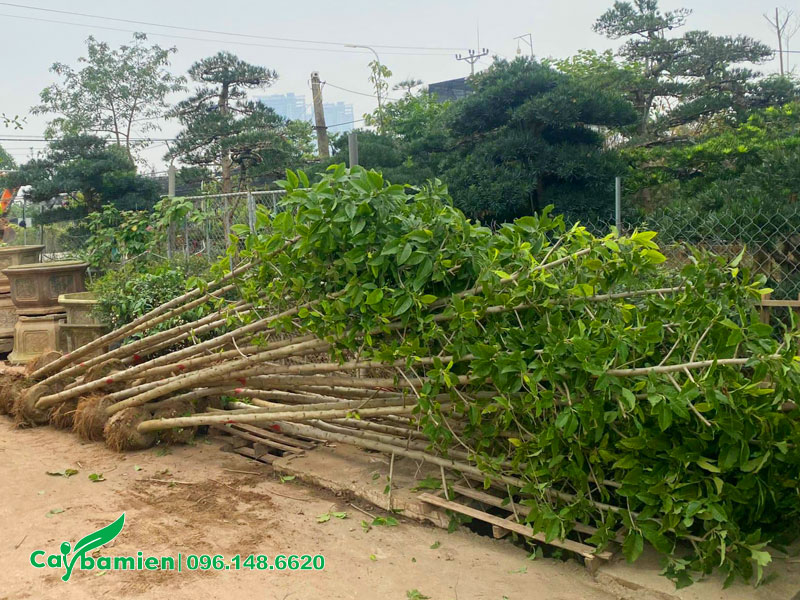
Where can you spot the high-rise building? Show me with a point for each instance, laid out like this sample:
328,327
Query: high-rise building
288,106
338,115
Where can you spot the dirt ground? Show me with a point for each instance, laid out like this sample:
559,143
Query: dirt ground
198,500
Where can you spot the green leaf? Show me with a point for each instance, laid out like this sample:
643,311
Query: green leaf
402,305
404,254
707,465
375,296
96,477
357,226
633,546
435,545
65,473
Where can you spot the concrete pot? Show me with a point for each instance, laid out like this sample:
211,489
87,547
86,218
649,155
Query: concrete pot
8,316
71,337
79,307
17,255
35,288
34,336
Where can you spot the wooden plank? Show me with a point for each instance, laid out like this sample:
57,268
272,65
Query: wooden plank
783,303
501,532
257,440
249,453
577,547
521,509
278,437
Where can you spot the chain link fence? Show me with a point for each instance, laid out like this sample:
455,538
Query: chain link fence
771,241
206,227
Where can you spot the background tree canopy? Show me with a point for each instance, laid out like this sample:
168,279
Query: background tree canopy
79,174
222,128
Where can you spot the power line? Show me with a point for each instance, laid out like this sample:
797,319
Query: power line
216,41
355,92
217,32
345,123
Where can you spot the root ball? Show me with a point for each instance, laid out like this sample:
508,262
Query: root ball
90,417
121,433
24,409
170,409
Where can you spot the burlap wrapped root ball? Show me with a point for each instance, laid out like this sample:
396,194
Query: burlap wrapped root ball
90,417
170,409
121,433
26,414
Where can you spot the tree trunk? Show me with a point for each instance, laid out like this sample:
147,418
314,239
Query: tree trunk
227,186
539,193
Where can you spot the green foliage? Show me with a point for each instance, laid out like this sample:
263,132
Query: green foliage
513,320
736,185
134,289
118,236
700,71
222,128
86,172
528,136
6,160
120,92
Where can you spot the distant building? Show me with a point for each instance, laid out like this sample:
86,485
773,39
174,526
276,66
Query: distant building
450,90
338,115
288,106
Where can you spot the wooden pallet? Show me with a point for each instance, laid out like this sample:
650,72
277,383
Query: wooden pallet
502,526
261,444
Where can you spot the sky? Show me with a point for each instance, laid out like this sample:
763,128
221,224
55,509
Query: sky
426,34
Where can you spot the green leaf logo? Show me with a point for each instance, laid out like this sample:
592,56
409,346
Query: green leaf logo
89,543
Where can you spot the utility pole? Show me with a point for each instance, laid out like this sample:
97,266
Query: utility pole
472,57
528,39
323,146
352,146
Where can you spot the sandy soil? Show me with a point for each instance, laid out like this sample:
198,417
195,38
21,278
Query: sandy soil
226,504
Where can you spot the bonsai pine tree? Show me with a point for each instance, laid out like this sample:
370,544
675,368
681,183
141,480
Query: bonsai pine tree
221,126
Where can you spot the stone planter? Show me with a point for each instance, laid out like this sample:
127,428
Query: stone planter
35,288
79,307
8,316
34,336
16,255
71,337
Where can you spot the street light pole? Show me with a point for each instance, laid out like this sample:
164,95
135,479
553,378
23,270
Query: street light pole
377,86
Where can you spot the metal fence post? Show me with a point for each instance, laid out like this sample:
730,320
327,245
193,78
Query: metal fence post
618,202
207,226
251,211
171,194
352,145
227,220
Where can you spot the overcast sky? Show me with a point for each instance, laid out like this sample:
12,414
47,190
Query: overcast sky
559,29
